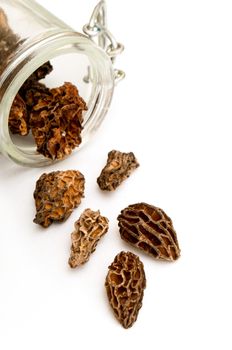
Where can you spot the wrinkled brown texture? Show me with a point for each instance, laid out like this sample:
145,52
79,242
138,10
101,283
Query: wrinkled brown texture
118,168
149,229
9,41
28,96
125,284
35,91
56,121
32,90
56,195
89,229
38,74
18,118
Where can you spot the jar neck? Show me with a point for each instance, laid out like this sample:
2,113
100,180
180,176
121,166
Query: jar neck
30,57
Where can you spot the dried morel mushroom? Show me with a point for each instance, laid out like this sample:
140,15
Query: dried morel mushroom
18,118
150,229
35,91
119,167
125,284
90,227
56,121
34,78
29,94
56,195
41,72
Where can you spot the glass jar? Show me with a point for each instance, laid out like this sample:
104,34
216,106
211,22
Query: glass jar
84,60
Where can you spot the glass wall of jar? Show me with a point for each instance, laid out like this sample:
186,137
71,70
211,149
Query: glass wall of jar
37,37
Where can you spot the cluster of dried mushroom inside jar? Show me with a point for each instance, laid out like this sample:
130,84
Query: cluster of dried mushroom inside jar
53,116
142,225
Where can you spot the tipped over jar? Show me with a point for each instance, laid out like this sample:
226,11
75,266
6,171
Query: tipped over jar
56,85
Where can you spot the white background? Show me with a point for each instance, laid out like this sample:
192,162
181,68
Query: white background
174,112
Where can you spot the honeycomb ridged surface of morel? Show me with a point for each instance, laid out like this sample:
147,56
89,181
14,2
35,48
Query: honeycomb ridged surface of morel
34,92
149,229
56,121
28,95
89,229
56,195
18,118
125,284
118,168
39,74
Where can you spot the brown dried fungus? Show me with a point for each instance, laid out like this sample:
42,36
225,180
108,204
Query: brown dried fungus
56,195
89,229
125,284
26,98
18,118
56,121
34,92
118,168
149,229
39,74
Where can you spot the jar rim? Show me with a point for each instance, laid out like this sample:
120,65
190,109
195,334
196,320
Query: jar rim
31,58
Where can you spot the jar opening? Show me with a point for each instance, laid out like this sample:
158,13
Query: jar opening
75,59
